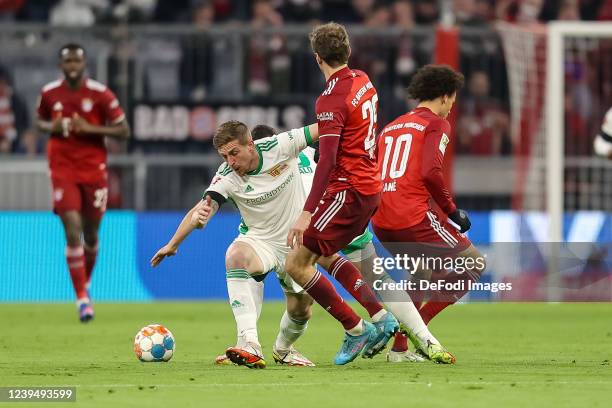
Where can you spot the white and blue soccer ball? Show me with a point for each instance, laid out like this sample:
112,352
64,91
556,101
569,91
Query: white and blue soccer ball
154,343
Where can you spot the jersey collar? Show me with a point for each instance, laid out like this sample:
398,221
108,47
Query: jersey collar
337,74
259,166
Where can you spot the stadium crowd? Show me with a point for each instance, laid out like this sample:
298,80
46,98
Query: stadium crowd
194,67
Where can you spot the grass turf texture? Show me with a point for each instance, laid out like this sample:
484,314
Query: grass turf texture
507,355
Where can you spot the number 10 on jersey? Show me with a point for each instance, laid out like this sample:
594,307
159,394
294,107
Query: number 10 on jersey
398,149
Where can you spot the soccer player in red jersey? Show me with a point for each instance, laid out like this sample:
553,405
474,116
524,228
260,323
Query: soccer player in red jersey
344,195
411,153
79,112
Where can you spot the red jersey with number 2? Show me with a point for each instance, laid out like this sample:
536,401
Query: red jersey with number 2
347,109
78,157
411,153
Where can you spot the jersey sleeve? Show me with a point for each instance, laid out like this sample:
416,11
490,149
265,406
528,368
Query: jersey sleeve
110,107
434,148
43,109
290,143
332,113
220,185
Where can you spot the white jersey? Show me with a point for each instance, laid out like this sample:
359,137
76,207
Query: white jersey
307,167
271,197
602,144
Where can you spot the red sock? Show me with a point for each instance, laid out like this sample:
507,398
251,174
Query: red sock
443,299
351,280
324,293
90,260
76,265
431,309
400,342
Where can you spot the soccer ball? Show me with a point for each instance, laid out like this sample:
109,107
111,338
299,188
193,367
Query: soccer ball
154,343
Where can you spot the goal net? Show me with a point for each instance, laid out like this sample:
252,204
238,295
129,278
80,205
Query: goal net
560,80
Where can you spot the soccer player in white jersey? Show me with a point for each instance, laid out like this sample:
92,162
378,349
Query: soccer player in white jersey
257,177
602,145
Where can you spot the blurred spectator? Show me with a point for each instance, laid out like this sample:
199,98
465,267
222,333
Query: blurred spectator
466,13
302,11
405,65
483,125
426,11
519,11
74,13
14,116
9,8
485,10
369,53
134,11
197,64
268,59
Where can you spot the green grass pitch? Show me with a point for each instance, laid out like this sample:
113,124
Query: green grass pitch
516,355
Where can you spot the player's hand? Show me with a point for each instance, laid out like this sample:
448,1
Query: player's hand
80,125
461,219
57,125
200,217
167,250
295,239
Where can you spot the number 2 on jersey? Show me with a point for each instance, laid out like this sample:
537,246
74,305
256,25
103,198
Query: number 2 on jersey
400,147
368,110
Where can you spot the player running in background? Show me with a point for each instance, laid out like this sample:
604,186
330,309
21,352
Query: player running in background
361,253
344,195
602,145
411,153
79,112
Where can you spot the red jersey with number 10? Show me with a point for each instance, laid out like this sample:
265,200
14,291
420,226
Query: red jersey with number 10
347,109
411,153
78,157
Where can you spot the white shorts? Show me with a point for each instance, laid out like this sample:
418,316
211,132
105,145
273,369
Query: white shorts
272,258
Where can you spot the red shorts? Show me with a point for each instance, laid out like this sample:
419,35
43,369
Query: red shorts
87,198
430,234
339,218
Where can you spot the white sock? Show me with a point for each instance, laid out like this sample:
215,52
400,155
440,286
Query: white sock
357,330
400,304
257,290
379,315
290,331
243,305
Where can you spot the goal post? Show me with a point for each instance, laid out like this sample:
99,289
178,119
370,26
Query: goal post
548,65
558,33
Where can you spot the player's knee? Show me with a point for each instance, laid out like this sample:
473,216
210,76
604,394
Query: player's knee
235,259
300,312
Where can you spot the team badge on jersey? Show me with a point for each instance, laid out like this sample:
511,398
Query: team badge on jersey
57,106
443,143
86,105
277,170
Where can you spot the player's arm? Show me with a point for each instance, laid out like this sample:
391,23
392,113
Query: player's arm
196,218
49,126
434,147
44,123
120,130
331,117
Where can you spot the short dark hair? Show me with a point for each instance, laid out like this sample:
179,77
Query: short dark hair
70,47
261,131
434,81
331,42
230,131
